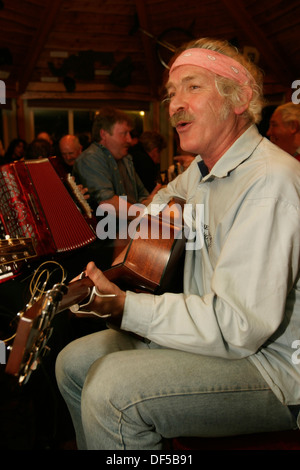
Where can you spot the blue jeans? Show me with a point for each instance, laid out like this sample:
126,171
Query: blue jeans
123,393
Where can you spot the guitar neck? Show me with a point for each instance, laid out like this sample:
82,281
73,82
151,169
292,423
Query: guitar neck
30,326
77,292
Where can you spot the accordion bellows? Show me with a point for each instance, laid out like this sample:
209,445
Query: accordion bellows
36,204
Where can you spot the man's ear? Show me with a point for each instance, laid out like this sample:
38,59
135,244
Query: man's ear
245,98
103,134
294,126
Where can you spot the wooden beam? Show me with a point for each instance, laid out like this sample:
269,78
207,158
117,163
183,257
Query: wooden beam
88,87
88,104
280,67
38,41
20,119
152,65
88,91
85,95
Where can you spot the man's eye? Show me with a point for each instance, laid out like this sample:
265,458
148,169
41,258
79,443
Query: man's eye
168,97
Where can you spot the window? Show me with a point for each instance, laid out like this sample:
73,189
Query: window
53,121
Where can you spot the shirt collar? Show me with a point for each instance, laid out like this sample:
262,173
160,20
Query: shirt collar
297,152
203,168
107,152
242,148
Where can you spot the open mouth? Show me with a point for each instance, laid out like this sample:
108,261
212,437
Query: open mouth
182,125
181,120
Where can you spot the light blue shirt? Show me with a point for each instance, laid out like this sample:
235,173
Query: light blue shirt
241,288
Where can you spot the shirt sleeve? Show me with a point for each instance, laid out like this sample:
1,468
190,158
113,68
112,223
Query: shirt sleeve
95,173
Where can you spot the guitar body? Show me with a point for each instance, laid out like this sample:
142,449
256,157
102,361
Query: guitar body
148,263
152,262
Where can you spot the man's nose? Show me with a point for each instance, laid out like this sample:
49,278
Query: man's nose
177,103
128,138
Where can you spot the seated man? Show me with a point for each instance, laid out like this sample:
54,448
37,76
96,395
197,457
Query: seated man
222,357
284,128
105,167
70,148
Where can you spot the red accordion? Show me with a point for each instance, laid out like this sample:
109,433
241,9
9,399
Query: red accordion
38,215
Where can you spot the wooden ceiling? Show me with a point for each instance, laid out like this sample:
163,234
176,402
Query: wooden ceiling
78,50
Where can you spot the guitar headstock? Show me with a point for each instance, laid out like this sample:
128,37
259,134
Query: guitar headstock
32,335
16,249
13,252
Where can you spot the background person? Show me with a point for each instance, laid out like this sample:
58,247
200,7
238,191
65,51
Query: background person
45,136
15,151
38,148
106,168
146,158
70,148
284,128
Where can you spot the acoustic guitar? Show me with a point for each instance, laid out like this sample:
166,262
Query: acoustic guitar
151,264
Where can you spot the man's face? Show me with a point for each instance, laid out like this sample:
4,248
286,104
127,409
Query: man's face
196,109
69,152
280,133
119,141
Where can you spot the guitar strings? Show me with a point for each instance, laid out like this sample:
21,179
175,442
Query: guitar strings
38,285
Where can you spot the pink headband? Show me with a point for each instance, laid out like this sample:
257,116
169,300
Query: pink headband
215,62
